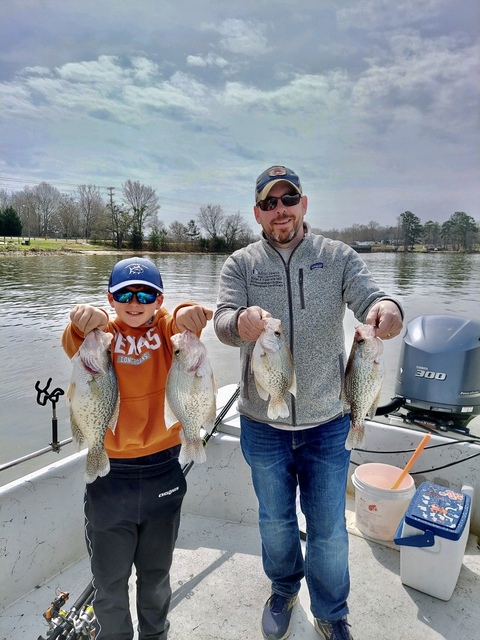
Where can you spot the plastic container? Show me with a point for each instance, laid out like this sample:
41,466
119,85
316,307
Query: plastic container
378,508
433,535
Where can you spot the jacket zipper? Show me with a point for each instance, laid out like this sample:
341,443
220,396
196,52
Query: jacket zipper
290,311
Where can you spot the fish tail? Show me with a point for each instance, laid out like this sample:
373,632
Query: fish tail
98,464
356,437
277,408
192,451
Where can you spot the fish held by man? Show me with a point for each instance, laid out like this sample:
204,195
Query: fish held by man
94,400
190,395
363,382
273,369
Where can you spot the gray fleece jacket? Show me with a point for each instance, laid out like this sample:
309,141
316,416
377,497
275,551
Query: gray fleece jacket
309,295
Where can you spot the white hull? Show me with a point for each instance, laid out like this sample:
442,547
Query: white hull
218,585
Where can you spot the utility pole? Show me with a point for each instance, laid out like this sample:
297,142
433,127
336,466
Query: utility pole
110,191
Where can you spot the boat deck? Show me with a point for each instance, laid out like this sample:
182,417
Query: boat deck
219,590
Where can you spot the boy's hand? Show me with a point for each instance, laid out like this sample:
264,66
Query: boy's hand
86,318
193,318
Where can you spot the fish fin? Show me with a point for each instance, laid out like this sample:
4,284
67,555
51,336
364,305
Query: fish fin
293,386
170,418
277,409
112,423
210,417
70,392
373,409
355,438
97,465
204,368
192,451
263,393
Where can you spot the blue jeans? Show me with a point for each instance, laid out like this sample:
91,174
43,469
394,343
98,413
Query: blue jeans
314,460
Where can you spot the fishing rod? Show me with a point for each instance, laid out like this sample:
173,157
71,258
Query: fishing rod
78,622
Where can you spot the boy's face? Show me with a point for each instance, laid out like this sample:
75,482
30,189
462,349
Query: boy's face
134,313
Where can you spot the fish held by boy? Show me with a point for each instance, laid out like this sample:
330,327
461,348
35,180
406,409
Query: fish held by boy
273,369
363,382
94,400
190,395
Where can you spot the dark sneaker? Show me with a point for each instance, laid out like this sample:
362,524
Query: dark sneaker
276,617
337,630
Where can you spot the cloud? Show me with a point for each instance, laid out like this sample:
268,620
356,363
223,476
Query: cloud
210,60
363,98
384,14
242,37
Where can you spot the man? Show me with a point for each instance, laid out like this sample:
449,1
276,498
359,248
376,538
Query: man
306,281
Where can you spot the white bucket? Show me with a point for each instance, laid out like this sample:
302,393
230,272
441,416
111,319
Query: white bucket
378,508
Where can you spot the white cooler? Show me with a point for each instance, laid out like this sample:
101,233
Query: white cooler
433,535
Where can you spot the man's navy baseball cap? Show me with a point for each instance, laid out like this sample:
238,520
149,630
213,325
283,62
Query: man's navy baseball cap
271,177
135,271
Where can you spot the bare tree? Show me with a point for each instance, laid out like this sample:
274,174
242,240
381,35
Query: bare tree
91,207
143,202
211,218
46,202
178,232
5,199
120,223
69,217
234,227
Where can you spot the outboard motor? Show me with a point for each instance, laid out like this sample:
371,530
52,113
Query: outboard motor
438,375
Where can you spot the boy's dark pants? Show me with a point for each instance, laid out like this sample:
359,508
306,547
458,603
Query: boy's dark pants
132,517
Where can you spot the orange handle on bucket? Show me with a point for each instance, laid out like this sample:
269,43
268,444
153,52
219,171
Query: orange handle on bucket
411,462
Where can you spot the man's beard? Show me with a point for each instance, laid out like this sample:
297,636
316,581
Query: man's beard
280,238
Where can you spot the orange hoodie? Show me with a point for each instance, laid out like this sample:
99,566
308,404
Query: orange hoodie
141,358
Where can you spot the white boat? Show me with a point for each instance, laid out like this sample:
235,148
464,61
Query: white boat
218,585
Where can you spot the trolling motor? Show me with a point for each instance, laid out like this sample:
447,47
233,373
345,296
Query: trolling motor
438,377
76,624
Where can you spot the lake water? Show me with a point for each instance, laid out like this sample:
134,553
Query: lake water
38,292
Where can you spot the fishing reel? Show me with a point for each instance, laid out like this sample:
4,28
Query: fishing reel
76,624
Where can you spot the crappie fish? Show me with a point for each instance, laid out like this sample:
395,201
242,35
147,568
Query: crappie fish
190,396
94,400
272,368
363,382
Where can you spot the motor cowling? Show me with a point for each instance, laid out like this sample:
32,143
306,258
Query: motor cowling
439,367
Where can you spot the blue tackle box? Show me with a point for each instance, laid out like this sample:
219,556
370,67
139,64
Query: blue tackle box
433,535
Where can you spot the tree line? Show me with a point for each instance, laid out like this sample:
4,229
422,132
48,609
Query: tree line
135,222
459,233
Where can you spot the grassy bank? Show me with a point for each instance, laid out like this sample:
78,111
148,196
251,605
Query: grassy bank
50,245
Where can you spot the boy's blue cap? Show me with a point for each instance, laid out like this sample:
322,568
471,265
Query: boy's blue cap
271,176
135,271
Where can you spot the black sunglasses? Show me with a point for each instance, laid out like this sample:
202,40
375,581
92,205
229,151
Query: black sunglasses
143,297
288,200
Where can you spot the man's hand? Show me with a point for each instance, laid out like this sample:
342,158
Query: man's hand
86,318
193,318
385,316
250,323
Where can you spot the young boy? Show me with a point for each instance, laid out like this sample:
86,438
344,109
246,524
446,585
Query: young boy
132,514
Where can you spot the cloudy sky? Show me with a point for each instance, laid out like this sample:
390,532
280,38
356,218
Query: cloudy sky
375,103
